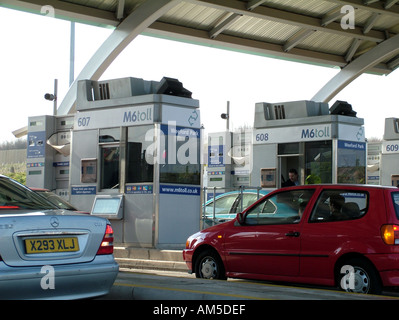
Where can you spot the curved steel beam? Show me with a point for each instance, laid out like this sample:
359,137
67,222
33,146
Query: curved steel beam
139,20
354,69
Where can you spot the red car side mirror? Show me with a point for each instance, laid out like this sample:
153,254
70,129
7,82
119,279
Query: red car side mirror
240,218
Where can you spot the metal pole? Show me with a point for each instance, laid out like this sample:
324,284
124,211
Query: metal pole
242,197
72,55
55,97
228,117
204,208
214,202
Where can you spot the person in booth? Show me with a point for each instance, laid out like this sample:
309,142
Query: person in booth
292,179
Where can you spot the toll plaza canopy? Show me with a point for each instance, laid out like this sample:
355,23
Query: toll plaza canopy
355,35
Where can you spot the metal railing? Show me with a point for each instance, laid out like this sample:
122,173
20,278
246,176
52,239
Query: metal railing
215,193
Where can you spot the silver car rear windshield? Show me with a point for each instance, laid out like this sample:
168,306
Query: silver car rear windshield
14,196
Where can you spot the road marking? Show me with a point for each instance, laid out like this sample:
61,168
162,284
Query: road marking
189,291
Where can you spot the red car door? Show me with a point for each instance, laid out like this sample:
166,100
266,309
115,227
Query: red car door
333,230
280,248
240,248
268,240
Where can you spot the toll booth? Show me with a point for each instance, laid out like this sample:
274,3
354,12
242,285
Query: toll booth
374,149
240,155
389,171
228,160
324,145
48,153
219,166
136,159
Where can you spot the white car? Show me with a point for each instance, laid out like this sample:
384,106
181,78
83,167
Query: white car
50,253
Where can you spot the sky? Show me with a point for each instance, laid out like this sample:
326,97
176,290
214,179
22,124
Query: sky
34,50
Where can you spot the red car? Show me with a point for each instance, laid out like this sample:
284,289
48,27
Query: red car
335,235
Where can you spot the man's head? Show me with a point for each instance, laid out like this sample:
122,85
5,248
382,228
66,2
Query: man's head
293,175
336,202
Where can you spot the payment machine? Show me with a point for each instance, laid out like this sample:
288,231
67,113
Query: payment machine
324,145
48,153
135,159
219,166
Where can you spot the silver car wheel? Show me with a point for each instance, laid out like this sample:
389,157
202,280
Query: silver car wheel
360,277
209,268
362,281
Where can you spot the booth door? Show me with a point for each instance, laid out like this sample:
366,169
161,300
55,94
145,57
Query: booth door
285,164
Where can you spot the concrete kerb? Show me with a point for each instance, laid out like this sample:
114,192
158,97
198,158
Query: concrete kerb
148,258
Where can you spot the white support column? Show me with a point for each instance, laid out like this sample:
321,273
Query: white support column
146,14
384,50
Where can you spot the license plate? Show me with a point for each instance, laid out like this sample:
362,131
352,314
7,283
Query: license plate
48,245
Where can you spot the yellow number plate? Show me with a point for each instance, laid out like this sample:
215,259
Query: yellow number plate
45,245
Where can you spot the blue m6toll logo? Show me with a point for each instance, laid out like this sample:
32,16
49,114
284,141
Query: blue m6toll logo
315,133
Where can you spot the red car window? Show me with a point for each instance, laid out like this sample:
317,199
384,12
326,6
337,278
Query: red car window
336,205
281,208
395,200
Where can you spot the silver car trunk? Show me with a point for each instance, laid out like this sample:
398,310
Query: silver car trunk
49,237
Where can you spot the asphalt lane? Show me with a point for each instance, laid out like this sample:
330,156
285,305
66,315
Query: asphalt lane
144,285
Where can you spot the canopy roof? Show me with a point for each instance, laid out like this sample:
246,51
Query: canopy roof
331,33
300,30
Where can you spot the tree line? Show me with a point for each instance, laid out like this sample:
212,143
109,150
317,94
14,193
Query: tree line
13,145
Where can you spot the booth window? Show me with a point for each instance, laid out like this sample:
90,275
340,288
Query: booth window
139,162
88,171
351,162
180,161
288,148
109,157
318,162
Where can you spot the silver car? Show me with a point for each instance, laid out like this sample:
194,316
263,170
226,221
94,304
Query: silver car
48,253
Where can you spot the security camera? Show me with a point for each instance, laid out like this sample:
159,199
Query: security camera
49,96
224,115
